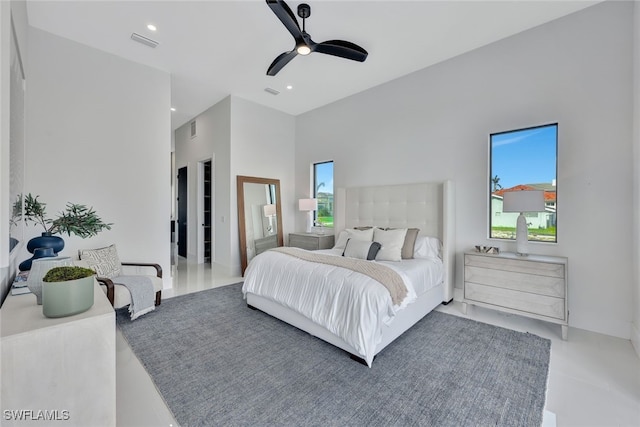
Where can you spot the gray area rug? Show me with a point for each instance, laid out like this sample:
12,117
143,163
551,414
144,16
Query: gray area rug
218,363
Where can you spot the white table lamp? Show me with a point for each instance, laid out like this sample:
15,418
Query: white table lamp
523,201
308,205
269,210
269,213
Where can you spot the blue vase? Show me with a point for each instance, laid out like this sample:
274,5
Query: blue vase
46,240
46,245
37,254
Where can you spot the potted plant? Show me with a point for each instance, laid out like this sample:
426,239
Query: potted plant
67,290
74,219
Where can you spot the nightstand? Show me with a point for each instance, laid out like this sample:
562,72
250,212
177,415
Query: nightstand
533,286
311,241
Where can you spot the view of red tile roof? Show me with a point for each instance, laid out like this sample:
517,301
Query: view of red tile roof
549,195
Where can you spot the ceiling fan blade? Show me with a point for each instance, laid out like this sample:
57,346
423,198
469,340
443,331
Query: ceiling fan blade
282,60
284,14
342,49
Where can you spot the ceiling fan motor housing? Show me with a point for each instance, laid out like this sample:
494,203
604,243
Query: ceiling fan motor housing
304,10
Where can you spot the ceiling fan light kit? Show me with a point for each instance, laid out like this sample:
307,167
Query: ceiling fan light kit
303,49
304,45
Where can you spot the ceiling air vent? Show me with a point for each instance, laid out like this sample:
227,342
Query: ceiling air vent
192,126
271,91
145,41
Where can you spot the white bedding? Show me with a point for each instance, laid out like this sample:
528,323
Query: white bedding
348,304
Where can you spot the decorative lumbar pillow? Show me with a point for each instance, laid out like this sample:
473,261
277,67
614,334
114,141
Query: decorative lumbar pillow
391,242
103,261
361,249
351,233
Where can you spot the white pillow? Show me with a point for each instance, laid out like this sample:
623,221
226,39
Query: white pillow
361,249
350,233
391,242
427,247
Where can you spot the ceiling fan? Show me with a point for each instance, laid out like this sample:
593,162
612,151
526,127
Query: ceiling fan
304,44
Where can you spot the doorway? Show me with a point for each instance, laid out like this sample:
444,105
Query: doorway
207,210
182,211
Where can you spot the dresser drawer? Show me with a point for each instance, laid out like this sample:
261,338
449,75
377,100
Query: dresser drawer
540,305
525,282
516,265
303,242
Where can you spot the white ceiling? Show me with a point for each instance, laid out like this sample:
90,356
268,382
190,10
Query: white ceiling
216,48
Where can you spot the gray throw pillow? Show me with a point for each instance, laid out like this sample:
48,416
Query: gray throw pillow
409,243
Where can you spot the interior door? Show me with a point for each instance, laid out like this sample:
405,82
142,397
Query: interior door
182,212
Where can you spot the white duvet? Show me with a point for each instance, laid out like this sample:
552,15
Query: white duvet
350,305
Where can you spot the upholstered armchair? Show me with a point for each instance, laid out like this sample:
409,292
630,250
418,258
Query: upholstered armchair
110,271
119,296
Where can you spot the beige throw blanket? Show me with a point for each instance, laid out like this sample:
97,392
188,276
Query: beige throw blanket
388,277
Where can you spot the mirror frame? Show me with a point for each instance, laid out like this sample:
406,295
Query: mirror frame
241,180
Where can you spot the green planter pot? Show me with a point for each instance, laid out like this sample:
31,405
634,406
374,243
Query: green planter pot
60,299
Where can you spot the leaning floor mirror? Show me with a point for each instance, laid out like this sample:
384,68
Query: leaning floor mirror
259,217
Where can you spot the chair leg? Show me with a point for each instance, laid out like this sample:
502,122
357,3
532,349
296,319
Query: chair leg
158,297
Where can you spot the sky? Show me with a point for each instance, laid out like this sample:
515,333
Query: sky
526,156
324,175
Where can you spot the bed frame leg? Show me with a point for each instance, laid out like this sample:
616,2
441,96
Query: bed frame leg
360,359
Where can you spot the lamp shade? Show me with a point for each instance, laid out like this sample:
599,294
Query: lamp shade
308,204
269,210
523,201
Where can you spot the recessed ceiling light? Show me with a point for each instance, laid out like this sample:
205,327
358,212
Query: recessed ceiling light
151,27
289,87
173,109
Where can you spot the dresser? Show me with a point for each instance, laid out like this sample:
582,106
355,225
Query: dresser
311,241
534,286
65,366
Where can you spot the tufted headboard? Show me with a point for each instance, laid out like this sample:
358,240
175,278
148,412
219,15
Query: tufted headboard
427,206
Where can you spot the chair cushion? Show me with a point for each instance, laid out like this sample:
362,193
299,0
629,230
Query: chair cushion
122,296
104,261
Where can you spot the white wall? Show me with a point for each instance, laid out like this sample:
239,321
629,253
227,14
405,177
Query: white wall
434,125
212,137
17,11
263,145
5,109
635,327
99,134
247,139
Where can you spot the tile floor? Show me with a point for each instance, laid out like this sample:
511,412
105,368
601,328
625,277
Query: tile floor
594,379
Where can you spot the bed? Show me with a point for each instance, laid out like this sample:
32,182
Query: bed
273,277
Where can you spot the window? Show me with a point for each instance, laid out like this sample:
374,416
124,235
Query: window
523,159
323,191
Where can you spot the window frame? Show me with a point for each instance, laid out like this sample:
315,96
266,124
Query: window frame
315,188
492,173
